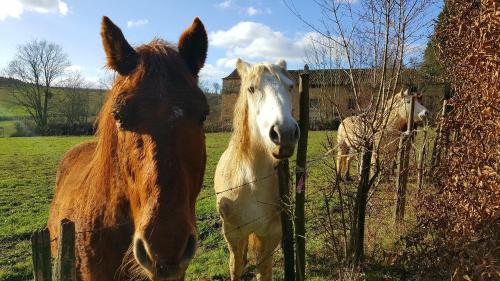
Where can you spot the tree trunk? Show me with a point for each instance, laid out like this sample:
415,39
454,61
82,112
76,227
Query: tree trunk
358,227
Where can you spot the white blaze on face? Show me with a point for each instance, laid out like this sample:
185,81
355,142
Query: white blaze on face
272,105
419,111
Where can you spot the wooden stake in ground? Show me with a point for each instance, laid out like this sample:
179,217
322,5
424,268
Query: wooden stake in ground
286,220
421,162
436,150
40,247
300,175
403,164
65,266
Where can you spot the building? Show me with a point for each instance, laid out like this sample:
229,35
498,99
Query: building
331,94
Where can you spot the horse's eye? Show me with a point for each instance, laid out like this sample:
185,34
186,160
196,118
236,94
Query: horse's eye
203,118
251,89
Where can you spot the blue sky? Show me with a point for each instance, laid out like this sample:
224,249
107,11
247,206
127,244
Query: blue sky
255,30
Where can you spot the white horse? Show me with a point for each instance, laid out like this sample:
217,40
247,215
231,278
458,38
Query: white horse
246,182
353,129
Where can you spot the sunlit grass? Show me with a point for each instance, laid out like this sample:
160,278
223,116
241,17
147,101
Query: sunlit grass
27,173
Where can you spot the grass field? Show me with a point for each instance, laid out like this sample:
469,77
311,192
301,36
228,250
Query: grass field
27,173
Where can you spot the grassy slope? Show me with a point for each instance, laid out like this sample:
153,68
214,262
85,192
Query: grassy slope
8,108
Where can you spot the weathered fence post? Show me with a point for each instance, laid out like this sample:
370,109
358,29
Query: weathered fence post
403,163
436,150
286,219
421,162
300,176
40,247
65,267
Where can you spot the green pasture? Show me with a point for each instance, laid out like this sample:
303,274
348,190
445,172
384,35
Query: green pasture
27,173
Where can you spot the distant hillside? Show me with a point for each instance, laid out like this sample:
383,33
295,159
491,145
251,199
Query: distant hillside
8,82
10,110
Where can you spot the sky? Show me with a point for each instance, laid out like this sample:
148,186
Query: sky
254,30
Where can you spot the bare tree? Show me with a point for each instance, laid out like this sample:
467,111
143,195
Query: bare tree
105,82
73,101
38,65
204,86
216,87
376,36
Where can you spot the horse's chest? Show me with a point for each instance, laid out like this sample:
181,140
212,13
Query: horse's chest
254,205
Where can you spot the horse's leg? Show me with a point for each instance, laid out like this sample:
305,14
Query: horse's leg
340,160
347,175
343,161
264,255
237,245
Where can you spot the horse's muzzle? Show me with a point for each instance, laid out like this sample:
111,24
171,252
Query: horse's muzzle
162,270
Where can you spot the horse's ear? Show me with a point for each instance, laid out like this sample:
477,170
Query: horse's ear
405,93
281,63
193,46
242,67
120,56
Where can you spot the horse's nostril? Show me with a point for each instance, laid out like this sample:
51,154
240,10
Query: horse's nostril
274,135
141,254
190,249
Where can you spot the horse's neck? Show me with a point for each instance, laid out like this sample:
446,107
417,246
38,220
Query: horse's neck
394,120
106,190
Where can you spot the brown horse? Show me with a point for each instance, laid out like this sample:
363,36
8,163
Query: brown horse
132,192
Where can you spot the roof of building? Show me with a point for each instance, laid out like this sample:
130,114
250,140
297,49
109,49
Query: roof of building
342,77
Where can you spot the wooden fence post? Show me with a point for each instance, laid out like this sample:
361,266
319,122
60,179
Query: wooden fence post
300,176
421,162
436,150
286,219
403,165
40,247
65,267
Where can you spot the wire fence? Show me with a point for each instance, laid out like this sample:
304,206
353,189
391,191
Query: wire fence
311,164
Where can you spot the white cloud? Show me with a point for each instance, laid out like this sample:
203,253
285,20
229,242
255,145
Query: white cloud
15,8
225,4
74,68
253,11
250,11
63,8
135,23
212,73
226,62
256,41
10,9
